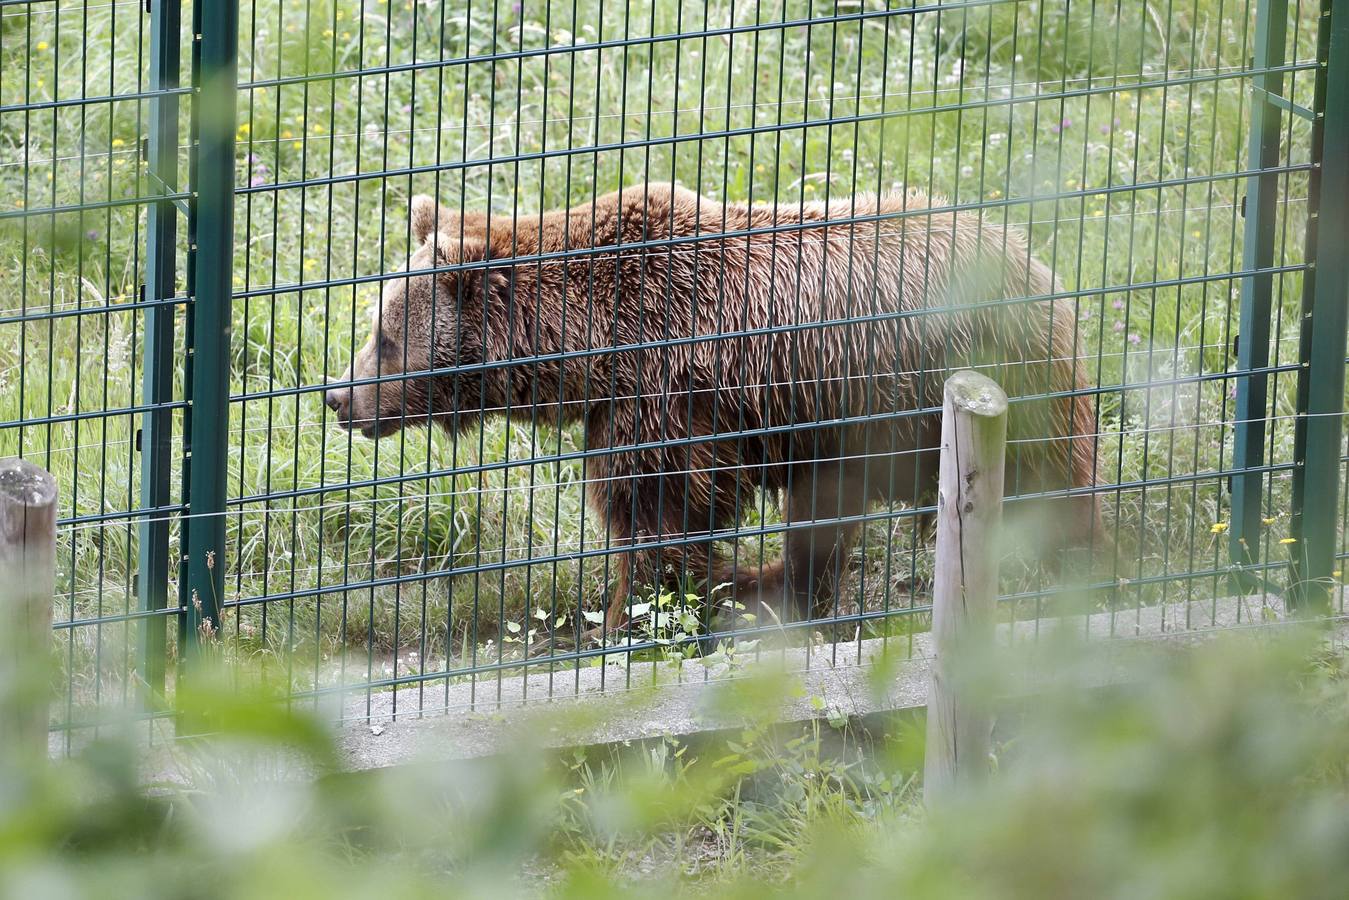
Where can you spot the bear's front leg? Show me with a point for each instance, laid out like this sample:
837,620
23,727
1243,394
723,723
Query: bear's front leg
611,504
617,613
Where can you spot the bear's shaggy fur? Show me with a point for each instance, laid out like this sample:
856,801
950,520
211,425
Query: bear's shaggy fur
722,348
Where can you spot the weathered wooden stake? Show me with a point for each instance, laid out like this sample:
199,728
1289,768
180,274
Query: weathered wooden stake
27,583
969,512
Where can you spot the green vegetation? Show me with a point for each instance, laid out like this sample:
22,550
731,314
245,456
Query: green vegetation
1216,772
927,99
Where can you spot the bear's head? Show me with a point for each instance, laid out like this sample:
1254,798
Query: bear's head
426,327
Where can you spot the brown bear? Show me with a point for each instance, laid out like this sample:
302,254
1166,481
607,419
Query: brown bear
714,349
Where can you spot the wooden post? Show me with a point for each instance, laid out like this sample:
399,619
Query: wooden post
27,584
969,512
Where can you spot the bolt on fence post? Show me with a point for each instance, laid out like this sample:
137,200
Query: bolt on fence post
969,514
27,586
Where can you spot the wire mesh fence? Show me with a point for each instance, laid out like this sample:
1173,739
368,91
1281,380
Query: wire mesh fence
243,241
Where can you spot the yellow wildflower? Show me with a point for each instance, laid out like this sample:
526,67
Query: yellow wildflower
1218,528
1288,541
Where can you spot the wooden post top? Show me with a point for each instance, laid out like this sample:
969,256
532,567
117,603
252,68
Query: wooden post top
25,484
976,394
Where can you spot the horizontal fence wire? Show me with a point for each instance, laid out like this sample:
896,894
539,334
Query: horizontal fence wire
586,476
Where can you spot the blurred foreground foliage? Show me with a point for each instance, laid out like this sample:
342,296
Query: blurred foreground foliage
1219,771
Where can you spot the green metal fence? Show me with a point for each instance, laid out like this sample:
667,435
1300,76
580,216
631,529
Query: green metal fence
203,202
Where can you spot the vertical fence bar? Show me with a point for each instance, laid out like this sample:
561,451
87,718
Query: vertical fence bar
1256,290
217,39
965,588
1316,479
161,263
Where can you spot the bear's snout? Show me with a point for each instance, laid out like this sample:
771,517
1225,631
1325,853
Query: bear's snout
350,413
339,401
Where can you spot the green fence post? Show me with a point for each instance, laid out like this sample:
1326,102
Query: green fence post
216,26
161,263
1256,290
1316,480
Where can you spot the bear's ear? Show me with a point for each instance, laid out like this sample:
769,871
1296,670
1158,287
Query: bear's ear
452,247
486,285
426,217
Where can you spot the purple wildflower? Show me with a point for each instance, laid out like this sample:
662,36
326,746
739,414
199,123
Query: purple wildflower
1119,326
1134,339
1118,304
